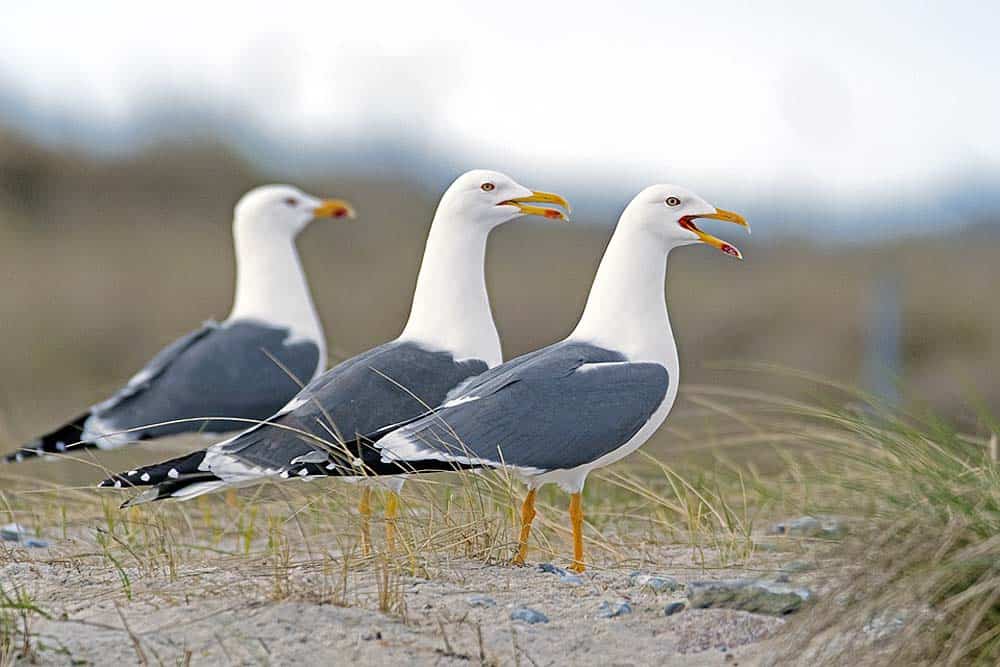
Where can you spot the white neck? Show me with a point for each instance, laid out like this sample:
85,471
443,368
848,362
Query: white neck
627,309
451,308
271,285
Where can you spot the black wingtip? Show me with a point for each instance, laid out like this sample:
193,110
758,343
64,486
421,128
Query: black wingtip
165,472
63,440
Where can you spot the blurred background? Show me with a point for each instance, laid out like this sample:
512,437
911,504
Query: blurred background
860,141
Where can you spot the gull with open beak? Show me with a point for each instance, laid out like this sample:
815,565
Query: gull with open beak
449,338
245,367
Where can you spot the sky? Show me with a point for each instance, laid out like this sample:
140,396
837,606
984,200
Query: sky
840,98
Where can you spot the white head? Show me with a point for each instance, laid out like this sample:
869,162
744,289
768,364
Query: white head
284,211
489,198
668,212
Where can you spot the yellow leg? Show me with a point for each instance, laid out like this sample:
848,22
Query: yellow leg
576,517
391,510
365,510
527,515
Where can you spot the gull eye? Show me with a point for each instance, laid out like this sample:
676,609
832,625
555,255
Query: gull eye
673,201
488,187
292,201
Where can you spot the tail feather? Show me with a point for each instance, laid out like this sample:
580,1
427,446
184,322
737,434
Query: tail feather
175,470
366,461
179,478
64,439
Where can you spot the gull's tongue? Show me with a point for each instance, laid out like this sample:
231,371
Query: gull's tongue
730,250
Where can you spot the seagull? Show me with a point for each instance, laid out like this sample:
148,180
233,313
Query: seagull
449,338
245,367
558,413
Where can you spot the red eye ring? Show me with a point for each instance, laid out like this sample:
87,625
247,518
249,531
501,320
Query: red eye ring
488,187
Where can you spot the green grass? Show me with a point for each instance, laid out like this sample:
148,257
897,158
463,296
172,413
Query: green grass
923,501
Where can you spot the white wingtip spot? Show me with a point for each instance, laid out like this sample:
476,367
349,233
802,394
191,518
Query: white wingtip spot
145,477
303,472
131,472
118,484
173,474
61,446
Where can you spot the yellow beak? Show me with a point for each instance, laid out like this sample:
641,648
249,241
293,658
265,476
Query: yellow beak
687,222
334,208
539,197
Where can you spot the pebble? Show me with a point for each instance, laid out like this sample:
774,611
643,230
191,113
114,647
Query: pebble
884,625
607,610
655,583
529,616
12,532
565,576
481,601
15,532
674,608
762,597
809,526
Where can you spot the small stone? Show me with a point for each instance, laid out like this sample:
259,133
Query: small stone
372,635
809,526
573,579
12,532
883,625
15,532
654,583
549,568
481,601
761,597
607,610
674,608
529,616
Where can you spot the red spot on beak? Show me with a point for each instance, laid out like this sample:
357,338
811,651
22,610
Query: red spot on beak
550,213
730,250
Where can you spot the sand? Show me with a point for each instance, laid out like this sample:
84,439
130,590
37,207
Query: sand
237,614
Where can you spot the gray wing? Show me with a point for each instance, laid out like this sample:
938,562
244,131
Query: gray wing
559,408
386,385
244,369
